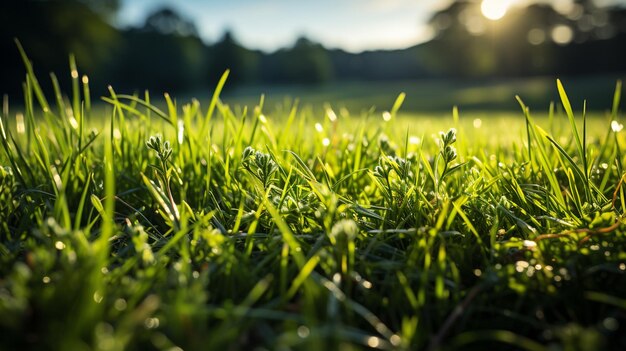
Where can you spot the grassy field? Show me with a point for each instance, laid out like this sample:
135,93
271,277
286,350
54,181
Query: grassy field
219,227
436,96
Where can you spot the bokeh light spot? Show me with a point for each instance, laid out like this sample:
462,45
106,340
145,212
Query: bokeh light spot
562,34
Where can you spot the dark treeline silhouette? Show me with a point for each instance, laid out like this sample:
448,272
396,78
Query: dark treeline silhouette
532,40
166,53
49,31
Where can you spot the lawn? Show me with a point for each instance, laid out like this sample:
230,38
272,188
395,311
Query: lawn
433,96
274,227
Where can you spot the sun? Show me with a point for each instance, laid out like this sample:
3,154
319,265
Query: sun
495,9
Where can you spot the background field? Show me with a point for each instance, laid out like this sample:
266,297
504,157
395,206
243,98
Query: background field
435,96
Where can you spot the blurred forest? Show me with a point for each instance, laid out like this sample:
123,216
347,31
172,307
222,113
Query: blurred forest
166,53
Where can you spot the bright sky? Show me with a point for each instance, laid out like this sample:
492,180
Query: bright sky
354,25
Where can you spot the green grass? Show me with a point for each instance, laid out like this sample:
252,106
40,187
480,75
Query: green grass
434,97
217,227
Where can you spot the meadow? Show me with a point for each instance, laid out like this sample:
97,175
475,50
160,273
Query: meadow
432,97
219,226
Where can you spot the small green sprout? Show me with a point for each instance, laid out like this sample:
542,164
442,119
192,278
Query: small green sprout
163,190
447,154
260,165
162,148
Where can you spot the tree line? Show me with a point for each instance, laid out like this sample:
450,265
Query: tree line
166,52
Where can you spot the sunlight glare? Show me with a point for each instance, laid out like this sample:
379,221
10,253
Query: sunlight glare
494,9
562,34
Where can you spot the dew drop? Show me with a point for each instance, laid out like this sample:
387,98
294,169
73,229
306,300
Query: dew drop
59,245
395,340
120,304
97,297
151,323
373,341
303,331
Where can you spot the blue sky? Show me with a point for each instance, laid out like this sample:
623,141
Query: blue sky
354,25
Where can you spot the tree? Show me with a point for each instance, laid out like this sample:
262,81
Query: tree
227,53
168,21
165,54
50,31
308,62
305,62
534,39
